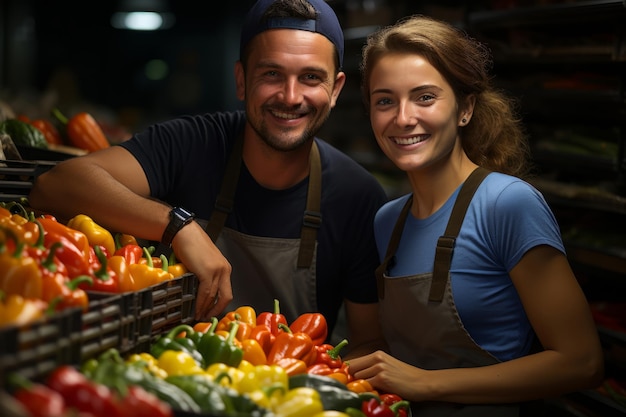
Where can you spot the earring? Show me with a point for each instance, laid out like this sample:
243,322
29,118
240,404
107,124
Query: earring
464,120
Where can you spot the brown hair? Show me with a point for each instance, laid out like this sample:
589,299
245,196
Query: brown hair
494,138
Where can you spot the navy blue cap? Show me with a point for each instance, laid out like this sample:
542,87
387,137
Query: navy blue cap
325,24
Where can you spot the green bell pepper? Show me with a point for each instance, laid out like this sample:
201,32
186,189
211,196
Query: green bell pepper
215,349
187,344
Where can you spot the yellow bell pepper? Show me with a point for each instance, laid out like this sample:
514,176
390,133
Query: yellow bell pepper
96,234
17,310
225,375
176,362
150,363
299,402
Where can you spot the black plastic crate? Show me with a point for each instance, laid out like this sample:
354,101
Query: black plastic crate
35,349
173,303
17,177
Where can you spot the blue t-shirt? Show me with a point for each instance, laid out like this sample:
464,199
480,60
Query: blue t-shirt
505,219
184,160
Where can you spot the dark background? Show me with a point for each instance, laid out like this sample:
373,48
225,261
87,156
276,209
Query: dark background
67,54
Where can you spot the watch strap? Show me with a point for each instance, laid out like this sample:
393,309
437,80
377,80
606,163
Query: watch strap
179,218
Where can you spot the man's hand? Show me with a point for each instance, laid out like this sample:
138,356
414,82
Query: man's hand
194,248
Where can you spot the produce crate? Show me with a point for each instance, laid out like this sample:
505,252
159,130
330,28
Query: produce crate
173,303
17,177
112,321
34,350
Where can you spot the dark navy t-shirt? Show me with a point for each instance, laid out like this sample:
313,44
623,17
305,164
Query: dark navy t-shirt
184,160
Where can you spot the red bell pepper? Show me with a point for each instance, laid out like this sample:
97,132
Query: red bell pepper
104,278
140,403
314,324
262,334
329,354
50,132
292,345
83,394
38,399
132,252
75,252
83,131
272,319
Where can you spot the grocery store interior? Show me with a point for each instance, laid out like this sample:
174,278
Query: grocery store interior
565,62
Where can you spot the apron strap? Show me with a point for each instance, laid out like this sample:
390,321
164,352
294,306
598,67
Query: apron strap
390,255
312,219
225,201
445,244
312,216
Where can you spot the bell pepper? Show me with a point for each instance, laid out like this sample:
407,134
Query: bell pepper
324,369
262,376
123,239
244,315
299,402
186,344
131,252
205,392
82,394
140,403
96,234
292,366
253,352
75,252
19,274
149,362
401,410
334,394
177,362
375,407
83,131
17,310
104,279
111,370
329,354
176,268
313,324
262,334
19,224
62,292
38,399
272,319
214,348
360,385
292,345
49,131
146,275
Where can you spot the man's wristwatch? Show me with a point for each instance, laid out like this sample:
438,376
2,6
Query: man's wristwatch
179,218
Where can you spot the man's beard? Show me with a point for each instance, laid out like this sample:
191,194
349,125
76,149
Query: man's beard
276,142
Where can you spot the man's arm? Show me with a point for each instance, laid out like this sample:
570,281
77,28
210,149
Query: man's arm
110,187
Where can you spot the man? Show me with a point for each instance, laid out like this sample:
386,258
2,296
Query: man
287,225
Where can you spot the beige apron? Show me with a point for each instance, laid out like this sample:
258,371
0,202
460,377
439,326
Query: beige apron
420,320
264,268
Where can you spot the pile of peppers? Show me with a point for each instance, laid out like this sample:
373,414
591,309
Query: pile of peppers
240,364
42,259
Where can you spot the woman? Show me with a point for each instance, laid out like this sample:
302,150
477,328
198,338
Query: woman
461,325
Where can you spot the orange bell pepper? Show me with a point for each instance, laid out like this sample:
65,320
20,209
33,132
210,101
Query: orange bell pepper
83,131
253,352
292,366
19,273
